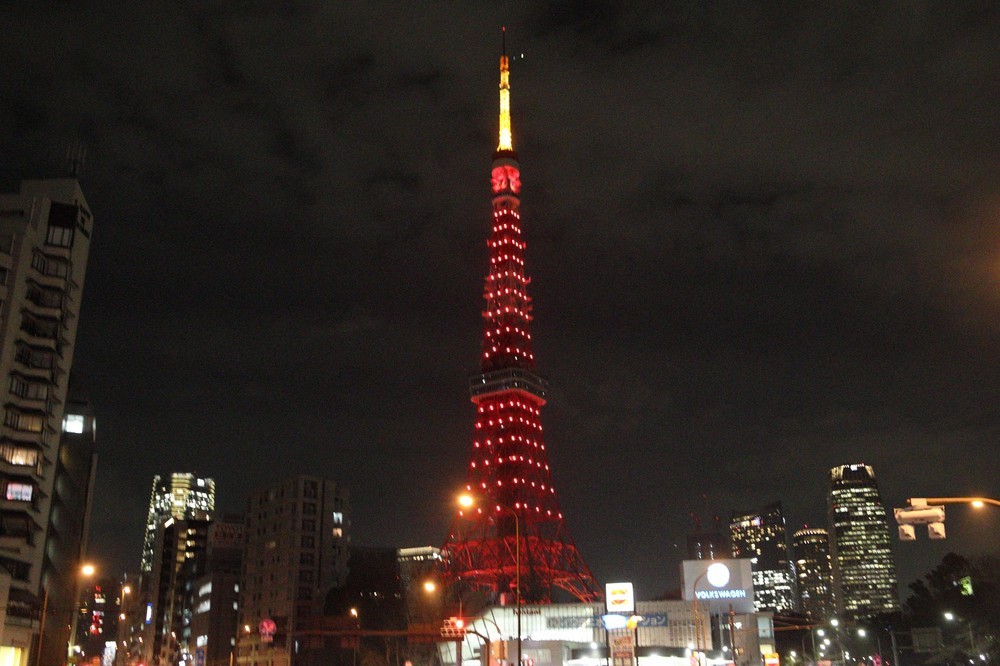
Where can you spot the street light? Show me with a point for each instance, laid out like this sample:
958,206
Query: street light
951,617
930,511
468,501
709,571
86,570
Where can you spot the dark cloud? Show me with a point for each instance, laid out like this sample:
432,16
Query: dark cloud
764,242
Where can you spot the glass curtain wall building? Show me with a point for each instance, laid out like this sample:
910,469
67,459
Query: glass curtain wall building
761,537
864,572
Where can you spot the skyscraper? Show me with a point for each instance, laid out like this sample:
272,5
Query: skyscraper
179,560
514,543
297,535
811,548
184,497
761,537
864,572
708,544
214,598
45,233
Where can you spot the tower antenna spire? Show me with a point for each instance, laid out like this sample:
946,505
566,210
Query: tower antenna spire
506,142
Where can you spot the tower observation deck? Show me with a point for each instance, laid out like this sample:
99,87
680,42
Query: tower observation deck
515,534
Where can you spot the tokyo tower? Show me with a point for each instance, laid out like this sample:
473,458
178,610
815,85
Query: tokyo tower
512,543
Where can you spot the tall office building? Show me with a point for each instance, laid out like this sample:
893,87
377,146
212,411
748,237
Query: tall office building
183,497
97,620
811,549
417,567
297,535
760,536
69,517
864,572
45,233
708,545
214,598
180,558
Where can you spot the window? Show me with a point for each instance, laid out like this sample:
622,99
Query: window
305,576
307,558
24,422
33,358
338,532
17,525
308,525
60,236
338,518
18,455
309,509
308,542
19,492
73,423
50,265
23,388
18,570
309,489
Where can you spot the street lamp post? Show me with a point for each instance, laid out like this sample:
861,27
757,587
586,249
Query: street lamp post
469,501
697,617
930,511
950,617
86,570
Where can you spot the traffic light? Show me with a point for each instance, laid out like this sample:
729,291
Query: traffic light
920,513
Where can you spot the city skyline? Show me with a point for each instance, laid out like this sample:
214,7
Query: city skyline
764,243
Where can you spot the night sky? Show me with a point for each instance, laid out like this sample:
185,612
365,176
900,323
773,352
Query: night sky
764,240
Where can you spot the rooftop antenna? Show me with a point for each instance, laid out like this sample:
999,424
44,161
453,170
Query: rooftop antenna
76,153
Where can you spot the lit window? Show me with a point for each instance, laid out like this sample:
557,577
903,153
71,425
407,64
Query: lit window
73,423
19,492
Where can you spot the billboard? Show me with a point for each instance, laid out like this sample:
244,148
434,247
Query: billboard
719,583
620,598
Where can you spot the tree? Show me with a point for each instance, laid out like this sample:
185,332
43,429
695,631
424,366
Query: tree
969,593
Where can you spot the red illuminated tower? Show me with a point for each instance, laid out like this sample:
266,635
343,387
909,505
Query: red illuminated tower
516,520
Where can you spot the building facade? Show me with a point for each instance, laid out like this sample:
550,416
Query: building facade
184,496
761,537
180,559
711,545
814,572
215,596
864,571
97,620
297,537
45,231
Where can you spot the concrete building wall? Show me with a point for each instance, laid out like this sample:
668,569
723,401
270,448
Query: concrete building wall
45,231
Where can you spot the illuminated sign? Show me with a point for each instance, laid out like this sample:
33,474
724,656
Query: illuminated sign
266,628
728,581
506,177
620,597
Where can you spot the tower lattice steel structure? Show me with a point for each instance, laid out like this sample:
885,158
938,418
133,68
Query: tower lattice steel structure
514,538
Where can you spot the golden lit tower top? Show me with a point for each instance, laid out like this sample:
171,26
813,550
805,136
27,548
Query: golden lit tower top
505,140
